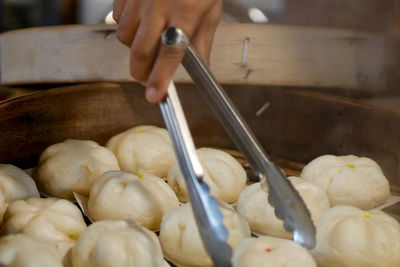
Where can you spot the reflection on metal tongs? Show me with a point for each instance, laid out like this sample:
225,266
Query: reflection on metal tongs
289,206
205,208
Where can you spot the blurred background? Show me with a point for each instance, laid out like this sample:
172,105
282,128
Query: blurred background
362,15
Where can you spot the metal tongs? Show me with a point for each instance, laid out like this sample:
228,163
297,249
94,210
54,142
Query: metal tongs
288,204
205,208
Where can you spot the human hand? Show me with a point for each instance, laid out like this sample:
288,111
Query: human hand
141,23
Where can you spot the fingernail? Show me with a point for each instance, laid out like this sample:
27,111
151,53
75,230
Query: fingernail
151,94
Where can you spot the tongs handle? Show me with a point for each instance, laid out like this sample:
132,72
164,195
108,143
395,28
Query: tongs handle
205,207
288,204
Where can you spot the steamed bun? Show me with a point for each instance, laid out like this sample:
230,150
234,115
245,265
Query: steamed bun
254,206
14,184
180,237
349,180
222,173
73,166
117,243
143,149
57,221
269,251
348,236
24,251
123,195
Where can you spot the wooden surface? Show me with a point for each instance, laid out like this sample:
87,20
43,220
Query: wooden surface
389,102
7,93
297,126
276,55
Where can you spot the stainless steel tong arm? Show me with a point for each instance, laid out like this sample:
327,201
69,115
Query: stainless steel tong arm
205,208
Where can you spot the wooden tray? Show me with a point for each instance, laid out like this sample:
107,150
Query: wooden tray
294,125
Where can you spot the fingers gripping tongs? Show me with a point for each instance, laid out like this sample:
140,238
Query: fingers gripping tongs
289,206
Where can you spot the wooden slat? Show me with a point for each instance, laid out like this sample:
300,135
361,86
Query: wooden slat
277,55
9,93
392,102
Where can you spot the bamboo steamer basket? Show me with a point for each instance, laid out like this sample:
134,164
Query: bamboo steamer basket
294,122
290,129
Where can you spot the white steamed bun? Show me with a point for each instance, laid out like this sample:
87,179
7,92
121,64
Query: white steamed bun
24,251
269,251
143,149
14,184
73,166
117,243
57,221
254,206
349,180
222,173
124,195
180,237
350,237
